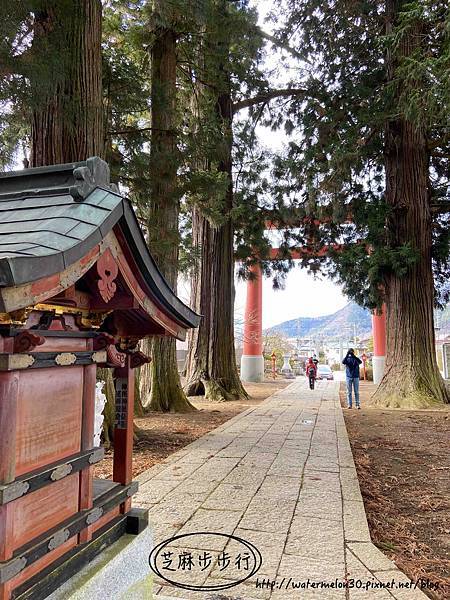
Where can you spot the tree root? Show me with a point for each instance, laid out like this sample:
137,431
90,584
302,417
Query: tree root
215,391
407,390
194,387
139,433
169,399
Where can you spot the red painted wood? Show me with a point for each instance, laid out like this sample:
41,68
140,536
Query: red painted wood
108,270
27,341
49,409
55,344
89,382
131,274
379,333
112,514
300,253
6,532
71,297
86,500
9,388
123,438
37,566
253,314
125,506
48,287
45,508
87,436
90,255
43,285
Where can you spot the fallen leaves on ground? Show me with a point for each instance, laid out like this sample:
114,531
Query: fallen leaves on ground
402,459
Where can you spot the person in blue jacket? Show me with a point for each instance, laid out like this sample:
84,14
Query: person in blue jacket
352,363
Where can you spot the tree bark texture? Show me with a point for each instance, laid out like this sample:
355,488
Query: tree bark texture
67,119
411,378
211,363
160,382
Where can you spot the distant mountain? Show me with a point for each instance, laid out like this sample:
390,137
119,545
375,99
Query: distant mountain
339,323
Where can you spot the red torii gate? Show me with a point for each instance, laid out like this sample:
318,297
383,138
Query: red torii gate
252,360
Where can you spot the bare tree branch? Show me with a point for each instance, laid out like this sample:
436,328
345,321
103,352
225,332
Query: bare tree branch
265,97
440,208
280,44
139,130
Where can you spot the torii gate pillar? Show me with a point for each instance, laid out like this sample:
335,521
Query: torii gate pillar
379,344
252,361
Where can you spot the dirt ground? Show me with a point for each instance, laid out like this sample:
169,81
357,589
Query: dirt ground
403,463
166,433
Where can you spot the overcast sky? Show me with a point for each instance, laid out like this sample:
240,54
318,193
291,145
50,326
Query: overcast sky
303,295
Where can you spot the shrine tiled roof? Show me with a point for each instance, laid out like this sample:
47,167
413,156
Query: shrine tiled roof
50,217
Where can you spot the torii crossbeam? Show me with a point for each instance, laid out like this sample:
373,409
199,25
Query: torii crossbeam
252,360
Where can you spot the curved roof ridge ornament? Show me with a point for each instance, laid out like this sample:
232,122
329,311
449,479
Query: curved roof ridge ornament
95,174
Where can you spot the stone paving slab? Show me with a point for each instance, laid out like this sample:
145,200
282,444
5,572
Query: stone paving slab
280,476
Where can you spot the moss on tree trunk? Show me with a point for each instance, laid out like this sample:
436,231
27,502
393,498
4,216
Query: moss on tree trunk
160,381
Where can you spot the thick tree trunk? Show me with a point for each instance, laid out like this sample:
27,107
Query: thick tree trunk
211,364
161,375
197,361
67,120
411,378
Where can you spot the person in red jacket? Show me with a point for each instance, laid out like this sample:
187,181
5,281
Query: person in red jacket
311,364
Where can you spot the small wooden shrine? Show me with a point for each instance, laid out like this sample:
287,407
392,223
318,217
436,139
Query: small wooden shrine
78,290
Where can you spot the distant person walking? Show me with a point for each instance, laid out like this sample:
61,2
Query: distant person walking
352,363
311,371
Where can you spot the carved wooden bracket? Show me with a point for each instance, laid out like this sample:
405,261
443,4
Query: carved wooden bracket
52,322
103,340
114,357
108,270
137,359
26,341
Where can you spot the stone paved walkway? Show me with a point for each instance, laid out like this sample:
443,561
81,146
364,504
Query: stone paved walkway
280,476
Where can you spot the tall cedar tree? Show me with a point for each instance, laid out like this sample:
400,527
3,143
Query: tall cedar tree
166,393
51,91
199,138
368,159
211,362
